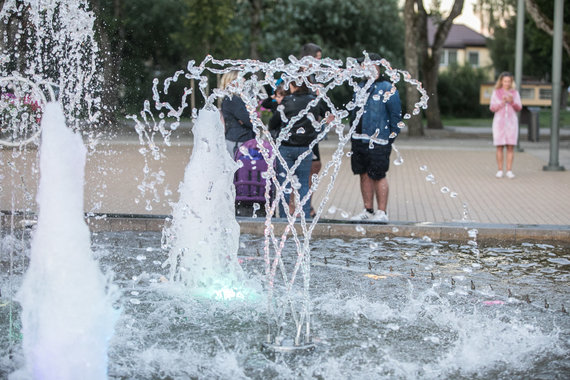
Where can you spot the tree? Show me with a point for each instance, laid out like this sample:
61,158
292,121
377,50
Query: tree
111,37
342,28
537,52
429,55
411,20
543,22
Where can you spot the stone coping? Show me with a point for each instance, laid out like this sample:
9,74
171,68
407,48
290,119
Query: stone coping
458,232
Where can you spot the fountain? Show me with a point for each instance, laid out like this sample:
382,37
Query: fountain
400,307
204,236
67,315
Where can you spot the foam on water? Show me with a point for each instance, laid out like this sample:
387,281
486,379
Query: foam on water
67,314
203,239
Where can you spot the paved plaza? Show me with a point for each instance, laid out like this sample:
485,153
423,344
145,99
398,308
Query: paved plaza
446,177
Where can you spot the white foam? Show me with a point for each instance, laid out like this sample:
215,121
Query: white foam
67,315
204,235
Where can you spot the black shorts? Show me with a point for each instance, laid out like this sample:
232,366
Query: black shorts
375,162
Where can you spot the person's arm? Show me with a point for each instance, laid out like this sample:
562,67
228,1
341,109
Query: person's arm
517,104
275,123
241,114
496,103
394,107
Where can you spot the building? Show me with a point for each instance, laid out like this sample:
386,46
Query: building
463,46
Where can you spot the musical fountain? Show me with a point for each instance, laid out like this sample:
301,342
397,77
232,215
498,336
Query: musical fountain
201,301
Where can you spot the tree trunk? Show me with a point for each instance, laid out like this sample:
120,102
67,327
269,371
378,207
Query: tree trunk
255,28
412,66
430,68
111,61
430,60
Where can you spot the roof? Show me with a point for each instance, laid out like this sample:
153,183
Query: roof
460,36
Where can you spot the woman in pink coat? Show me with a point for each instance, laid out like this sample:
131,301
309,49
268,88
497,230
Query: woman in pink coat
505,103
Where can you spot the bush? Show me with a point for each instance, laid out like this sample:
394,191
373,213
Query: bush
458,90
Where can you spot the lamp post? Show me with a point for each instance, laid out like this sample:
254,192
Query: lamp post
519,57
553,164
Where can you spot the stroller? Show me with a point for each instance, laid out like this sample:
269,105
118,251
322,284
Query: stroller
249,181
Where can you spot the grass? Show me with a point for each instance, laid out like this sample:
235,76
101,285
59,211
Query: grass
544,117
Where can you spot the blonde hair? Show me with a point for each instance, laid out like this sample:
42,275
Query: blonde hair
227,78
499,83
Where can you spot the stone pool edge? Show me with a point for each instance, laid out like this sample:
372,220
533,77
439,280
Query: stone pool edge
487,234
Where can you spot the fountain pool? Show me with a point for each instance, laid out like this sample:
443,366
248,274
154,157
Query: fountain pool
382,308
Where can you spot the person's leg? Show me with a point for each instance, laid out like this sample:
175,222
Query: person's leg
381,190
367,191
281,177
500,157
510,157
380,163
232,147
303,173
315,166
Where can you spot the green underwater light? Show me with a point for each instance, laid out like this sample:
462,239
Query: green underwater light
226,292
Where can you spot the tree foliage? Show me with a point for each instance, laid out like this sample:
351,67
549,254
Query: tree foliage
144,39
341,28
537,48
458,87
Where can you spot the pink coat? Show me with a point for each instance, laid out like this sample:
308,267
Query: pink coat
505,121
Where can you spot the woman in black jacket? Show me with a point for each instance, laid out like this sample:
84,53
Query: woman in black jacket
297,141
238,126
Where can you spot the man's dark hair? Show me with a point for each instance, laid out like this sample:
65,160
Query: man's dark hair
310,49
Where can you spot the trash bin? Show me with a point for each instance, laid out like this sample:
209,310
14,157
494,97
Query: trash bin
533,124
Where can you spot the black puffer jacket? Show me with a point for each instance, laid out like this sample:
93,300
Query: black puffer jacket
238,126
293,105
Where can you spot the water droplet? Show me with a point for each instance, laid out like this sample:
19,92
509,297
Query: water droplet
376,97
373,245
361,230
430,178
255,209
332,210
398,161
423,168
453,194
344,214
407,116
300,131
348,154
426,239
444,190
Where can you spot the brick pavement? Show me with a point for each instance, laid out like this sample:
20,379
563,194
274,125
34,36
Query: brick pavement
464,165
533,197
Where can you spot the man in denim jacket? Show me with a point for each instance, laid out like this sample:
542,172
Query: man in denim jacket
371,159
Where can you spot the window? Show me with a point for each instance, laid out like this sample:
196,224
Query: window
545,93
473,58
527,93
448,57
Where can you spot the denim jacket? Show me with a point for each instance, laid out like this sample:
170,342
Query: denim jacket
380,114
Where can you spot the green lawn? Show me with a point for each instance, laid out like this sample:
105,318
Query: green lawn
544,119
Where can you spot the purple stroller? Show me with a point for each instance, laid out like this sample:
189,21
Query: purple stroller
248,180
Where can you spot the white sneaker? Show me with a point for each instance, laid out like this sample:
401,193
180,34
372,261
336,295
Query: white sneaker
499,174
380,216
364,215
510,175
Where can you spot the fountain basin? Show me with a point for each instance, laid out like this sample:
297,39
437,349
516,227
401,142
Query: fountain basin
383,307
